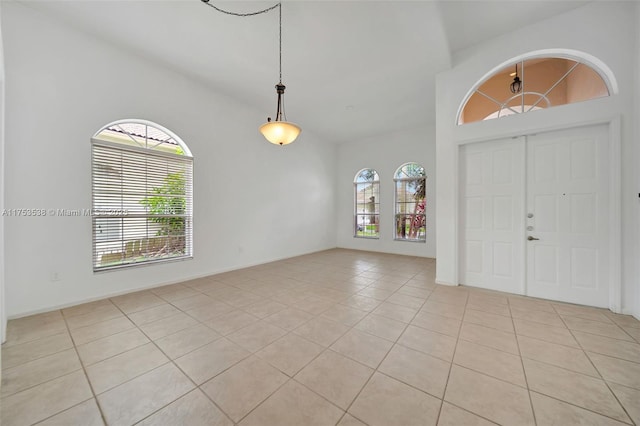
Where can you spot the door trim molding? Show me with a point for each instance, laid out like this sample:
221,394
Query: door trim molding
615,215
615,198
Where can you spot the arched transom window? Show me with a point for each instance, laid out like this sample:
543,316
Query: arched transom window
366,222
141,195
533,84
410,195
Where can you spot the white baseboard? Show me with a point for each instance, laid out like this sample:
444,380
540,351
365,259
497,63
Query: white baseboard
446,283
636,315
155,285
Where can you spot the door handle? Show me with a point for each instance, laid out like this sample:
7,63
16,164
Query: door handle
530,238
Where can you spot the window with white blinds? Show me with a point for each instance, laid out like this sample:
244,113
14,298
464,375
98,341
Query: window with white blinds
142,204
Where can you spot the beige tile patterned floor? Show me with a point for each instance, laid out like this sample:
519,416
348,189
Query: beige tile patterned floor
339,337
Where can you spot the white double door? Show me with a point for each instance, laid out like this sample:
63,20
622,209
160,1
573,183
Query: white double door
534,215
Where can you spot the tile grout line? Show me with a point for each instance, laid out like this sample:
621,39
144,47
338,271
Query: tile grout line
581,408
453,356
375,370
524,371
587,351
136,327
564,327
328,348
222,336
45,381
624,409
542,362
471,412
4,369
84,370
394,342
492,377
317,286
289,378
170,361
260,403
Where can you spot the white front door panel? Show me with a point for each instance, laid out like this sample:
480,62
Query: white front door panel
567,180
492,215
560,179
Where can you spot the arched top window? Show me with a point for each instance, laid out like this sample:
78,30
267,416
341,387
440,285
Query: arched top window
143,134
410,171
410,203
367,204
532,84
367,175
142,206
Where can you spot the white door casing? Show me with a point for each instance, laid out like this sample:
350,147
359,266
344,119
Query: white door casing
562,179
567,195
492,215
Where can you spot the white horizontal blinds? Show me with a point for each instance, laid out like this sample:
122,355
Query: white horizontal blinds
142,205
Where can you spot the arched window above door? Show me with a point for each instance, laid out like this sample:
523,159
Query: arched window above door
531,84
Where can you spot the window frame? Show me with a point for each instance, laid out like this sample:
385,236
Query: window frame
397,214
580,57
375,183
106,151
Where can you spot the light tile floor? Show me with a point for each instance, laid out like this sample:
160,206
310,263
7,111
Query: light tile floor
334,338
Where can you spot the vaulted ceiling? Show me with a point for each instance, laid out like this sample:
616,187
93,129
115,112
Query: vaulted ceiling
352,69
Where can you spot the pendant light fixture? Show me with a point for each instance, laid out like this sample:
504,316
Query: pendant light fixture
279,131
516,85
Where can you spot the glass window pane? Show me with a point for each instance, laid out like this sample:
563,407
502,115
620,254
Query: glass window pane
367,204
410,203
544,83
142,196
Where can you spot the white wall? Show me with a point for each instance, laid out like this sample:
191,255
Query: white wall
253,202
636,313
386,153
3,310
605,30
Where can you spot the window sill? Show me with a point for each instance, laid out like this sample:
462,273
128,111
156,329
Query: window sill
141,264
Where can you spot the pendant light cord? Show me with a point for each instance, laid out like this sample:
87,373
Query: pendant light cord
280,38
259,12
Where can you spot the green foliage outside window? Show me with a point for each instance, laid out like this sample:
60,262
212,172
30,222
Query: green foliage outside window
169,203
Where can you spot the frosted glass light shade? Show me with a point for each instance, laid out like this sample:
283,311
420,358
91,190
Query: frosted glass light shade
280,132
